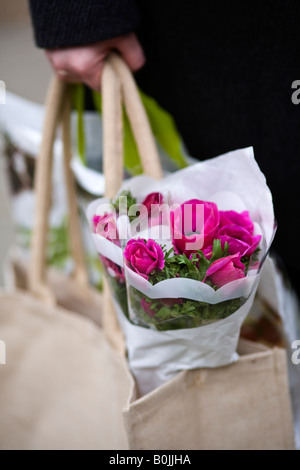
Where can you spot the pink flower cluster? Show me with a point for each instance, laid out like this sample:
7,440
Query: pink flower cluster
194,226
235,229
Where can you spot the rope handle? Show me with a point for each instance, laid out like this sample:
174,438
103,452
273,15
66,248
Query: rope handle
117,85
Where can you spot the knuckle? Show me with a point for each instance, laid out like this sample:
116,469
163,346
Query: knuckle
81,64
79,68
55,57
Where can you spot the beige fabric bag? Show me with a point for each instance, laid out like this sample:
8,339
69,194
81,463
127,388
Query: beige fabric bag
242,406
64,386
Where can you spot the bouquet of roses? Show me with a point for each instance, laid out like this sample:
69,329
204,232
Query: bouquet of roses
188,252
208,246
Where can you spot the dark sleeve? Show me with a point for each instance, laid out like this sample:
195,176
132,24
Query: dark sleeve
67,23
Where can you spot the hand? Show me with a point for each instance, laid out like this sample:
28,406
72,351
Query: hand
84,64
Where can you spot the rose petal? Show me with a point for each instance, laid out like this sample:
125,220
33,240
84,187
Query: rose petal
186,221
235,218
226,270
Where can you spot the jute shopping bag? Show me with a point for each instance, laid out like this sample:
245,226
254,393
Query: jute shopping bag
63,386
86,301
245,405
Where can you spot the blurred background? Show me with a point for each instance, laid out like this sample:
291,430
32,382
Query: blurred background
26,72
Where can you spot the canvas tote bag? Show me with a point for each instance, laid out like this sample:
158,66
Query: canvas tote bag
63,386
245,405
86,301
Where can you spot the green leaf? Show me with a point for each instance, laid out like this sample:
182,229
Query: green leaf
120,293
203,264
77,95
130,200
185,314
164,129
97,99
132,159
218,252
58,250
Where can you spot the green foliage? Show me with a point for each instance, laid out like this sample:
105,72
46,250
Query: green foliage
195,267
186,314
77,95
164,129
218,252
97,99
58,251
58,246
132,160
119,292
162,124
94,263
129,198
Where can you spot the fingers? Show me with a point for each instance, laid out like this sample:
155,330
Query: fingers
92,77
85,64
63,66
131,50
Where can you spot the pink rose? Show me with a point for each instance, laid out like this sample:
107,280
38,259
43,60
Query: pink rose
237,230
194,223
113,269
153,199
234,218
106,226
144,256
225,270
152,202
239,240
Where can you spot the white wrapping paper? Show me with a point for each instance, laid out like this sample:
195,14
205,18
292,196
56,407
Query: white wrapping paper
234,182
156,356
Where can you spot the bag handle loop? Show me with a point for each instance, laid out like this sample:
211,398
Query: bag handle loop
117,84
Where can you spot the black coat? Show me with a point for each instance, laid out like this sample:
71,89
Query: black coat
223,69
